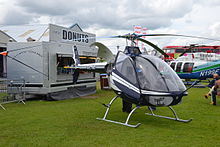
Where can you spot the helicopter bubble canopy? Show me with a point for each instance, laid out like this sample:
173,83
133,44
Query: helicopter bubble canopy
161,78
149,73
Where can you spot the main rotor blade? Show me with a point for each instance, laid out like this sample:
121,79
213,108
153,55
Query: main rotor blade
154,46
189,36
123,36
190,48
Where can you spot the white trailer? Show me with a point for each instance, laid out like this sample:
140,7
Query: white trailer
42,64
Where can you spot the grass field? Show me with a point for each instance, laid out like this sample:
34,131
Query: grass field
73,123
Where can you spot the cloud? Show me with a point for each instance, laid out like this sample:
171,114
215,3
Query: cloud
45,7
112,14
111,17
212,3
16,18
12,14
215,29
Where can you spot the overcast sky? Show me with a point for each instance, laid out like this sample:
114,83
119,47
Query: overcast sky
112,17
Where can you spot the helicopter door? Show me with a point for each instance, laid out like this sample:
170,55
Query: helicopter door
124,76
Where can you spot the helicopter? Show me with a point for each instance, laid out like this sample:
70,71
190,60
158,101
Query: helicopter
140,79
196,65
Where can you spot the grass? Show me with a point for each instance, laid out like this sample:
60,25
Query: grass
72,123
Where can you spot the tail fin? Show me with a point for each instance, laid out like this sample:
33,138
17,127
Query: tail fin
103,52
75,55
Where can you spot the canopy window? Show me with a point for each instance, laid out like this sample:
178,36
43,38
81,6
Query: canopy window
156,75
125,66
188,67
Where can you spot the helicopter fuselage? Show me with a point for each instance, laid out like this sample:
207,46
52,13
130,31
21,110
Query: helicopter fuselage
197,65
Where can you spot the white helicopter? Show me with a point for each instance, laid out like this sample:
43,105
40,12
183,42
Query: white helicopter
198,65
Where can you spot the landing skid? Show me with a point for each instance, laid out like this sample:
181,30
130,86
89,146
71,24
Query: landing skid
176,118
116,122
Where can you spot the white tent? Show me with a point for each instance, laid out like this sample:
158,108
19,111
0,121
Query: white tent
22,32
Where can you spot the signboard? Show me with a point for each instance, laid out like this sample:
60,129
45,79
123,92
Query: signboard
74,36
69,35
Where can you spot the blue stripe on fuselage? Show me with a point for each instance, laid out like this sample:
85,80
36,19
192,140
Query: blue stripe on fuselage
200,74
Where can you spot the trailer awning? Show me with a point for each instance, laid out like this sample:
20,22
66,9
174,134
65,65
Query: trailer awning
64,55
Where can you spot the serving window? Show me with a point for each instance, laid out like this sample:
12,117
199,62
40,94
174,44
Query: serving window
65,71
63,62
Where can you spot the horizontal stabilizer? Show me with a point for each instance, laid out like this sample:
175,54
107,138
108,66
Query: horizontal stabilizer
92,67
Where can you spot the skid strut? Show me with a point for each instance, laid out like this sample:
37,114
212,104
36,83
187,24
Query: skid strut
176,118
116,122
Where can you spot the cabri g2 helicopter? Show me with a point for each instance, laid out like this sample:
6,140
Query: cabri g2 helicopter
143,80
